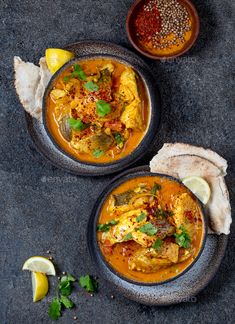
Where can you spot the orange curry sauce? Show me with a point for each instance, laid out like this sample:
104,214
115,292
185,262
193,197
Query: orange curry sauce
119,254
89,67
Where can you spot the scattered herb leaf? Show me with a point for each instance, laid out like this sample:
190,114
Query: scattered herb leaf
69,277
66,302
89,283
118,138
97,153
54,310
91,86
106,227
148,229
65,287
141,216
77,124
102,108
67,78
79,73
127,237
183,239
157,244
155,188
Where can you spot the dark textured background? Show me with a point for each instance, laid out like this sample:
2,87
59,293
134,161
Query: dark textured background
45,208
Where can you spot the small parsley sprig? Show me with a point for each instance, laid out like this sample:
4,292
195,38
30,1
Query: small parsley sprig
64,289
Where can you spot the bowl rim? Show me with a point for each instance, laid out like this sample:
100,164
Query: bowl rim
154,118
92,227
163,57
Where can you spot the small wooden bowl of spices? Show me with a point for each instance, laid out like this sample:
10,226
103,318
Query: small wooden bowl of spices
162,29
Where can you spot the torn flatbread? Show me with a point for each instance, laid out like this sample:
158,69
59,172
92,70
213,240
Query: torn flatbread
173,149
26,82
184,165
30,84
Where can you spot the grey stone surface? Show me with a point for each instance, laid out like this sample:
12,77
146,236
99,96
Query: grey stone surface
45,208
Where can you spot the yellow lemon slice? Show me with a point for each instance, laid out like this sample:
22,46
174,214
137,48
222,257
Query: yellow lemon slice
56,57
39,285
39,264
199,187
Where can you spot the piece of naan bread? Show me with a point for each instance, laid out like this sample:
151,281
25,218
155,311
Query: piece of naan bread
183,160
30,84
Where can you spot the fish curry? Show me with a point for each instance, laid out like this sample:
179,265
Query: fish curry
150,229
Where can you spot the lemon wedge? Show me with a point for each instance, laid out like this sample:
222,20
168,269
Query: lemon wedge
39,264
56,57
199,187
39,285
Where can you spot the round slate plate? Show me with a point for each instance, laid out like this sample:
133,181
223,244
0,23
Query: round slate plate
182,289
49,150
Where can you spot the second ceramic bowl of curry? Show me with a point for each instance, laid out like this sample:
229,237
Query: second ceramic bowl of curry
149,101
129,282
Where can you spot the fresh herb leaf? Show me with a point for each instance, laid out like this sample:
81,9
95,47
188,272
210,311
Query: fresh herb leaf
127,237
183,239
106,227
102,108
113,222
148,229
79,73
157,244
67,78
77,124
141,216
103,227
65,287
118,138
69,277
66,302
89,283
91,86
155,188
54,310
97,153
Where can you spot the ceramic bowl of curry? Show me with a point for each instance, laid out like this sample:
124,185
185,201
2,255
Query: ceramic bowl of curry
162,29
101,111
146,229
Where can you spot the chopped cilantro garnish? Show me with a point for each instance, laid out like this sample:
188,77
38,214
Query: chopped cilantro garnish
155,188
106,227
54,310
182,238
118,138
148,229
79,73
89,283
157,244
91,86
141,216
77,124
66,302
65,287
102,108
97,153
67,78
127,237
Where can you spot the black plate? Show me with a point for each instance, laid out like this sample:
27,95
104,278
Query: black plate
178,290
54,153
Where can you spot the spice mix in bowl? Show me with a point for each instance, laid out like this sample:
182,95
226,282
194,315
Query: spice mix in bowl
162,28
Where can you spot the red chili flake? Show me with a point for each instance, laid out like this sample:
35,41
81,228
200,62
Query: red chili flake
169,240
189,215
147,23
